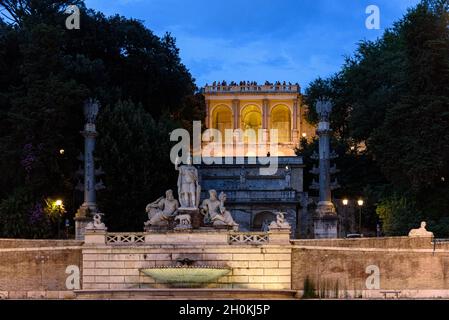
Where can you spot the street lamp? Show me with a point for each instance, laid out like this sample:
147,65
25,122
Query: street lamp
360,202
345,202
58,203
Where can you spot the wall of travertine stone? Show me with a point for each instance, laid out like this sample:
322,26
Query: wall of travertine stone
265,266
36,268
409,265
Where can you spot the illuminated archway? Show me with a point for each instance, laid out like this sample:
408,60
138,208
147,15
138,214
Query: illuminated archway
281,120
251,118
222,119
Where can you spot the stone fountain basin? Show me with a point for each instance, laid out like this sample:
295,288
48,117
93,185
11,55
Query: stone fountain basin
186,276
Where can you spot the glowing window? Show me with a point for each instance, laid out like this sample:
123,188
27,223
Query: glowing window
222,119
251,119
281,120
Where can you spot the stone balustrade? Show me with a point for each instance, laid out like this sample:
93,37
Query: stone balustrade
248,238
125,238
210,236
253,88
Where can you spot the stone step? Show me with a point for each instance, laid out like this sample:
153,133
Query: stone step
185,294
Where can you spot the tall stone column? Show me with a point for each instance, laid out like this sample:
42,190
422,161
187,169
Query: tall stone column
208,115
236,111
89,207
326,221
295,134
266,120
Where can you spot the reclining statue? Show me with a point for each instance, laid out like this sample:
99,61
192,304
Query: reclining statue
214,209
162,210
421,232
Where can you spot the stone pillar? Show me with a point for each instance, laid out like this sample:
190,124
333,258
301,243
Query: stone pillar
295,115
295,133
89,206
236,111
326,220
265,111
266,120
208,115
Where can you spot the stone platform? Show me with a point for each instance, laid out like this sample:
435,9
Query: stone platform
258,261
186,294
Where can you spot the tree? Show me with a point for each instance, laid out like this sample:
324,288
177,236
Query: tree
393,97
135,154
47,72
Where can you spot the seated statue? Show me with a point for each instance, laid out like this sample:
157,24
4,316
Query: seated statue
96,224
162,210
421,232
280,222
214,209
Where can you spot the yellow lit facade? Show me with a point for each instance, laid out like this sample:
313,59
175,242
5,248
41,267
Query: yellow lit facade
259,107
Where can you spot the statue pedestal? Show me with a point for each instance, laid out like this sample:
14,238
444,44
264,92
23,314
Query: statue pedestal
197,219
82,219
159,228
187,219
325,223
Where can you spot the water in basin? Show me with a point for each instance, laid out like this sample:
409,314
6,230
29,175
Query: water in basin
186,276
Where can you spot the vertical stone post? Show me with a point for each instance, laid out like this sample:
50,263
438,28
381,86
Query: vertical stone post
236,111
295,135
208,115
89,206
326,220
265,120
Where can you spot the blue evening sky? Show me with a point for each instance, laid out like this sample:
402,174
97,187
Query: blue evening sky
291,40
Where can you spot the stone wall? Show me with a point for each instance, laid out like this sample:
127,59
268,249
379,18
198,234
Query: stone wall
253,266
37,268
413,267
407,265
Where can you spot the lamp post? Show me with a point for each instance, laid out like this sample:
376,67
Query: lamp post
360,202
58,203
345,203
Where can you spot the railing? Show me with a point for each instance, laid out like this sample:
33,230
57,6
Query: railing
436,241
290,88
248,238
125,238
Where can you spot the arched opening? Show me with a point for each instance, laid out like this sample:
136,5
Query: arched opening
222,119
251,119
262,221
281,120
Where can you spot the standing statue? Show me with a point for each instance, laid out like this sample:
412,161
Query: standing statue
215,210
161,210
189,189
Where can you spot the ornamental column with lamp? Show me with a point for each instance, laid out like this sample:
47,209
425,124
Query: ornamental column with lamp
325,220
89,207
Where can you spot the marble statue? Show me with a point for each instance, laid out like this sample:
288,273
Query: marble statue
421,232
184,221
216,211
161,210
189,189
96,224
280,222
